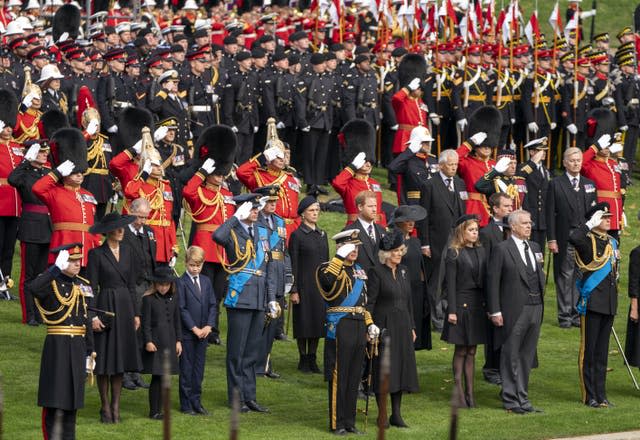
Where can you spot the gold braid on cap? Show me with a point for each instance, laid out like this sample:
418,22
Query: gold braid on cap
272,135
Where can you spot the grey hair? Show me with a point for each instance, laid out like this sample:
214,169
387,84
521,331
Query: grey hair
445,155
383,256
515,216
139,204
571,151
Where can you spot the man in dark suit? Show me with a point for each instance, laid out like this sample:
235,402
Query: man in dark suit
140,238
198,314
501,205
251,291
370,233
515,287
443,196
537,177
570,195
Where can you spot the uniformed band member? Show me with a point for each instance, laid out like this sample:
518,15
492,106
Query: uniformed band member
62,298
342,283
597,259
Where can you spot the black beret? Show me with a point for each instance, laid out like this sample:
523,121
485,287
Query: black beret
279,56
177,48
305,203
298,36
200,33
244,55
317,58
294,59
336,47
361,58
360,50
230,39
399,51
179,37
258,53
266,38
330,56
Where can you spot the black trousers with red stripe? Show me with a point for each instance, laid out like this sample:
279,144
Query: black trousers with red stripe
33,259
60,422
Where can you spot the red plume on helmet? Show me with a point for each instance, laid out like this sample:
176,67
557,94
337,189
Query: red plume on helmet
85,100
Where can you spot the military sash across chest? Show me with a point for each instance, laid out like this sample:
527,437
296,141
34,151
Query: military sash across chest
241,276
333,318
603,266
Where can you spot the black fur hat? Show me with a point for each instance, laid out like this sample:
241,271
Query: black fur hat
130,124
53,120
66,19
489,120
599,121
219,143
8,107
412,66
358,136
71,145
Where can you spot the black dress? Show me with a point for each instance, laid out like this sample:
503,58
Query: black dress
113,285
632,343
464,281
414,261
160,325
308,249
389,301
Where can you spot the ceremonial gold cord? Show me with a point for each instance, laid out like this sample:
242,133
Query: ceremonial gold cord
70,302
342,281
243,258
597,262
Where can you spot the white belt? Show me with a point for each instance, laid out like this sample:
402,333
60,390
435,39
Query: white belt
200,108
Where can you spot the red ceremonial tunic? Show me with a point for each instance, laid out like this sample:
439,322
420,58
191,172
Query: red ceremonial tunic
349,185
606,175
27,126
410,113
210,207
471,169
158,193
124,167
72,213
10,157
253,176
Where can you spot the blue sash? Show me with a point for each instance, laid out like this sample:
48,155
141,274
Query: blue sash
586,286
276,238
350,301
239,279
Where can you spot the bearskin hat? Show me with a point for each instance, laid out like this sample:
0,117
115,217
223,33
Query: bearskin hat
412,66
489,120
599,121
130,124
358,136
8,107
53,120
219,143
71,145
66,19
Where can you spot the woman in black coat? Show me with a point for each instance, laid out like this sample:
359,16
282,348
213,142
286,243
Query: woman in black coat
161,330
389,301
308,248
632,343
112,272
404,219
465,326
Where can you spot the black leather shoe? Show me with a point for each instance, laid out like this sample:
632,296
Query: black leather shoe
282,337
139,381
354,430
592,403
272,375
516,410
340,431
322,191
190,412
606,404
397,421
254,406
532,409
129,385
244,409
157,416
201,410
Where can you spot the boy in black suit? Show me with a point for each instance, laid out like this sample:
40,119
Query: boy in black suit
198,315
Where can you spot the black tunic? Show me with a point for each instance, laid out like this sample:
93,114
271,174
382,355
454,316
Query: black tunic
308,248
113,284
464,277
160,325
389,300
414,262
632,343
62,368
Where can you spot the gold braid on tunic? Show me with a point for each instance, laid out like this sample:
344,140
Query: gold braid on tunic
597,262
96,157
73,301
342,283
243,258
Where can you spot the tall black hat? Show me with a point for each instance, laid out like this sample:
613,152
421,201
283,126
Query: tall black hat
66,19
600,121
8,107
130,124
70,145
487,119
358,136
412,66
219,143
53,120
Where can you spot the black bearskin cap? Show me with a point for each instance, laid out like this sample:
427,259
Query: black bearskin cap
219,143
489,120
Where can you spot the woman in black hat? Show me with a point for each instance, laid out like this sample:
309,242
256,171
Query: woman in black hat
466,316
161,330
389,301
404,219
308,247
111,270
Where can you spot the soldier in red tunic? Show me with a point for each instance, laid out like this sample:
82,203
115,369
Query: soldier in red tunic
72,208
10,205
599,166
475,157
271,168
27,125
359,137
210,203
151,185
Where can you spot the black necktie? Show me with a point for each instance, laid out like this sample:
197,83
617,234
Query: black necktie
251,232
449,186
574,182
527,259
371,234
197,285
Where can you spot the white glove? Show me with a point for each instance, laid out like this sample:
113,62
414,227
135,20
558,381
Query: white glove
113,129
478,138
263,202
306,129
209,165
214,98
373,331
616,148
146,168
27,100
435,119
345,250
1,125
92,127
32,152
359,160
571,128
63,37
624,128
553,125
65,168
604,141
502,164
243,212
595,219
172,261
255,130
394,127
234,129
414,84
415,147
137,147
462,123
272,153
62,260
532,126
512,120
273,309
280,125
160,133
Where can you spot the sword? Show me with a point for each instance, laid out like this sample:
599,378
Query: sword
184,240
624,358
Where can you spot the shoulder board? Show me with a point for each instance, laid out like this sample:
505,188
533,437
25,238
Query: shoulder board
162,94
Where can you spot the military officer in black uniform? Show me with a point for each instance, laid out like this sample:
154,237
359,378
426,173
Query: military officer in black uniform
627,98
538,100
204,102
266,97
63,299
112,93
342,283
282,85
537,178
576,105
503,95
361,94
9,80
168,103
437,95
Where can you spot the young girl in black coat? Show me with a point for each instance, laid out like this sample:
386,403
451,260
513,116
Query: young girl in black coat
160,332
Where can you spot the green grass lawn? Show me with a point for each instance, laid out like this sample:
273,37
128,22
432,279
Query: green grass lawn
298,401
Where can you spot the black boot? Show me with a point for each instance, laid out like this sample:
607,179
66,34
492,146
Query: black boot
128,382
313,366
303,365
139,381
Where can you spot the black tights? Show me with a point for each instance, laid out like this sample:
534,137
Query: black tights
464,359
396,402
155,395
110,408
307,345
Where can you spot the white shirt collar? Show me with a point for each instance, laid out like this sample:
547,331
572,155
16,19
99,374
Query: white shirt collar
570,177
365,224
136,231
